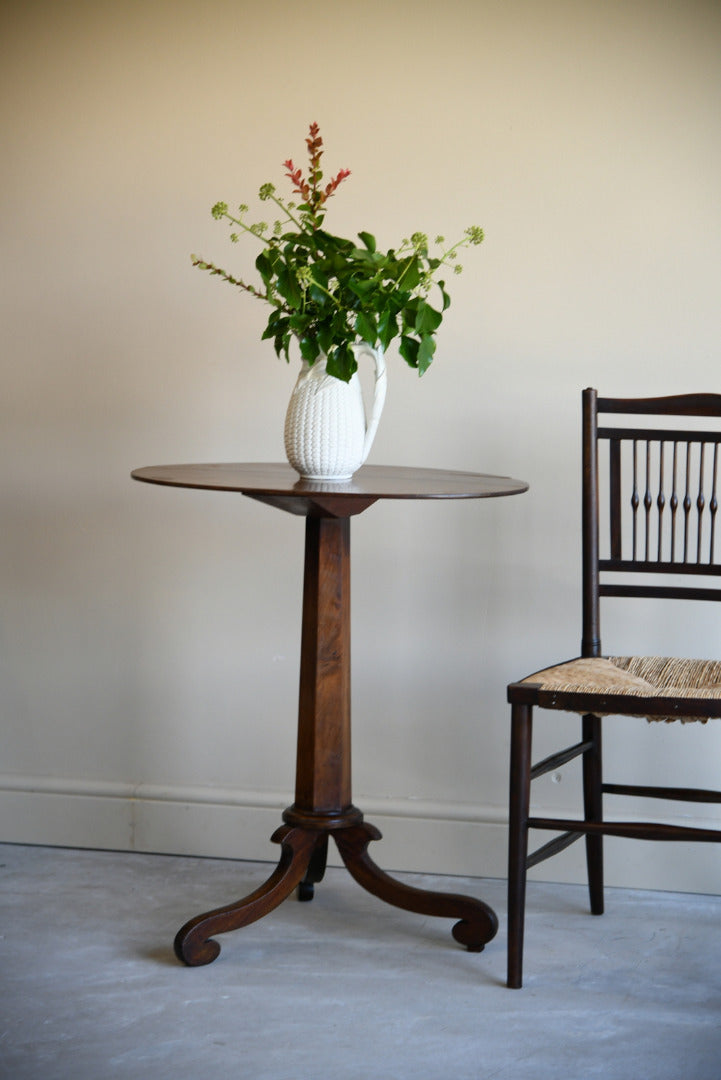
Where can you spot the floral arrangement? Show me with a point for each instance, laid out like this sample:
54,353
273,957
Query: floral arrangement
330,293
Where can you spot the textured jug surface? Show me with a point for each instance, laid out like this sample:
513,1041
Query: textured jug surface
326,435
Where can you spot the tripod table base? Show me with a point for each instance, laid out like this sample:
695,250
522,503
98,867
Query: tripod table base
302,863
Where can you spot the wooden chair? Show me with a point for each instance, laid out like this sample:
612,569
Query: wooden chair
657,521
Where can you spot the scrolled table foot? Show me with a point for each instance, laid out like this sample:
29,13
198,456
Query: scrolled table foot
193,942
478,922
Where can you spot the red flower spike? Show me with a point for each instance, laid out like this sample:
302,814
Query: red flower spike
330,188
314,142
309,189
296,178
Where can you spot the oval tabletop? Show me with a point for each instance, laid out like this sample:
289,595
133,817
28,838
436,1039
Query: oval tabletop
279,485
375,481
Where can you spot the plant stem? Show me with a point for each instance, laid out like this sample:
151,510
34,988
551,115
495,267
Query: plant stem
445,257
213,269
247,228
284,208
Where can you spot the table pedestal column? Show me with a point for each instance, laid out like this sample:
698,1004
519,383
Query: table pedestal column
323,805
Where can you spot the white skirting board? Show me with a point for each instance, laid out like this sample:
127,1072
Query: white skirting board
418,836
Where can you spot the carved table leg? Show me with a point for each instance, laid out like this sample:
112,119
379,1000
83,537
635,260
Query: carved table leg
478,922
193,943
315,871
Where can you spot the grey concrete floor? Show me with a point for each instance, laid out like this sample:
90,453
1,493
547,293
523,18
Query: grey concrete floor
345,987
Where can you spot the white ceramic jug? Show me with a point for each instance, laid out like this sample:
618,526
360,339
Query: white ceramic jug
327,436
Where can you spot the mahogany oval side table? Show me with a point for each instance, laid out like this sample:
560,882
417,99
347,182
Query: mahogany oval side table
323,806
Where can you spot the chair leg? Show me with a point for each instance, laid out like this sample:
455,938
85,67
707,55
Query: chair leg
520,794
593,810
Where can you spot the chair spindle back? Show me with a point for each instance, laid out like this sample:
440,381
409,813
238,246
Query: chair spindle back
661,486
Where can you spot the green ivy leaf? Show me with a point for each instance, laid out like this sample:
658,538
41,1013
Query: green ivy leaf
366,328
387,327
426,350
309,349
408,349
409,314
289,288
299,323
264,267
342,363
427,318
319,297
360,287
278,323
368,239
325,338
410,273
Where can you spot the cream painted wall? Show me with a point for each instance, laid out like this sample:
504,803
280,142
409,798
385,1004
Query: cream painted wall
150,638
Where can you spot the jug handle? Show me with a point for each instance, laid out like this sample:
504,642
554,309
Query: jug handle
379,394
